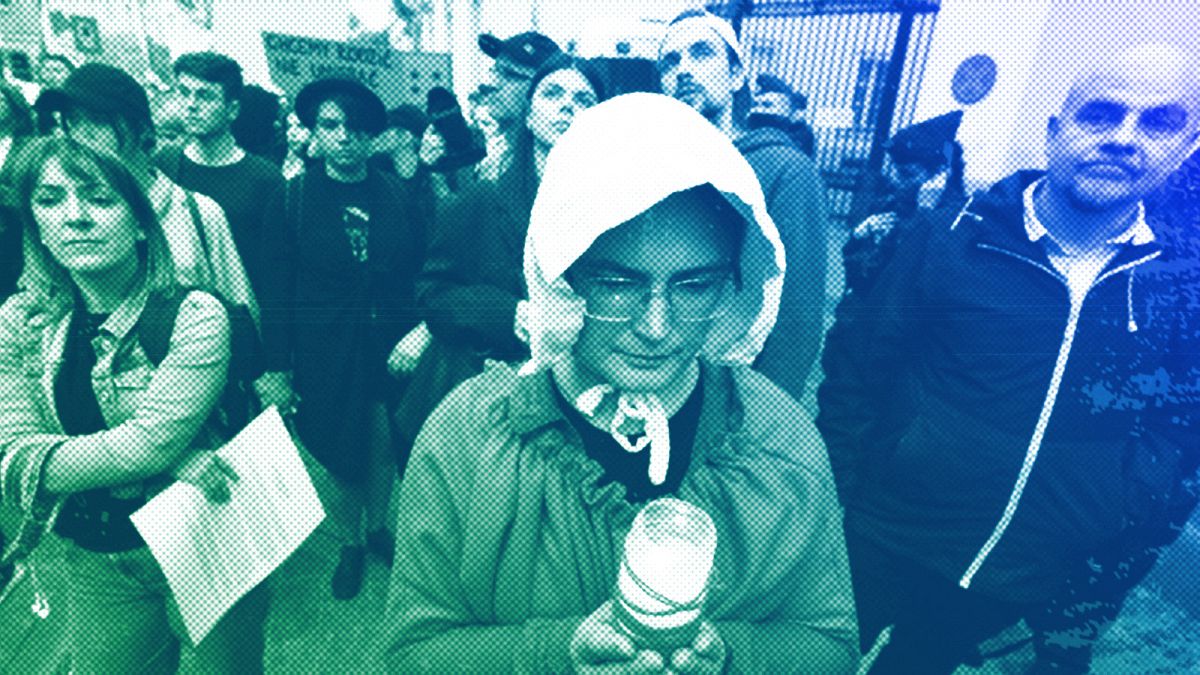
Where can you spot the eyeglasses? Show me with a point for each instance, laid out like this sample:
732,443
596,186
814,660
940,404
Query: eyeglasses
615,298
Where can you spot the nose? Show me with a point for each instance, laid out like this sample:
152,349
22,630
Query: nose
76,213
1125,135
653,323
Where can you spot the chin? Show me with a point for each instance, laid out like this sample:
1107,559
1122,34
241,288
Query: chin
1094,198
649,380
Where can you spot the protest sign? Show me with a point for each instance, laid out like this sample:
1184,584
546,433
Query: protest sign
397,77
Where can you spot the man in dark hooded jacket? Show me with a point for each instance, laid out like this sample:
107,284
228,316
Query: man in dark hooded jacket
777,105
1011,411
700,62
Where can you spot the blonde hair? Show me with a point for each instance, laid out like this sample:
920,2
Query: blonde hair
45,277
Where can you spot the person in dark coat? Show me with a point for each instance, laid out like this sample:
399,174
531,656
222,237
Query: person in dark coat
777,105
342,248
16,126
700,62
1010,411
472,277
926,173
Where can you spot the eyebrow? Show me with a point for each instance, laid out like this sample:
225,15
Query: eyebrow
608,266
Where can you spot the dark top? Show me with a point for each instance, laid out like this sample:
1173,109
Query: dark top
337,295
241,189
936,381
74,397
12,255
94,519
472,279
632,469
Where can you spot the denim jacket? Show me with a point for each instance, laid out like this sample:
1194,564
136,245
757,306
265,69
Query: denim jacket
154,414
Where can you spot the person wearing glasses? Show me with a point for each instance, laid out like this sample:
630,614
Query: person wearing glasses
654,275
514,63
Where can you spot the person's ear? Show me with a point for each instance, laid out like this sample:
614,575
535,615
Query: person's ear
1053,126
235,109
738,72
148,141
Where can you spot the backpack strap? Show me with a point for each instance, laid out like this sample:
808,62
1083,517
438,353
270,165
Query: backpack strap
157,323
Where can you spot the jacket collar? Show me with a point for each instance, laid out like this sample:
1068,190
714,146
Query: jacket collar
997,219
533,407
122,321
1138,233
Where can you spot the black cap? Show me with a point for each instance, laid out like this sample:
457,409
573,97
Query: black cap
771,84
462,146
926,141
525,49
102,89
373,119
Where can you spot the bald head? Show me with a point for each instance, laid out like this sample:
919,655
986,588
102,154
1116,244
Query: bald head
1164,69
1125,126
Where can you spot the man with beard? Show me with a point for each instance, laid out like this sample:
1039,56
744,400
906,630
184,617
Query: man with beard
700,62
1011,410
209,87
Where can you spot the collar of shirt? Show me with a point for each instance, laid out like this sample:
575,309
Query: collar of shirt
125,317
160,193
1137,234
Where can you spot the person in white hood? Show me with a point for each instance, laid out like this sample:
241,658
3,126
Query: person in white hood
654,275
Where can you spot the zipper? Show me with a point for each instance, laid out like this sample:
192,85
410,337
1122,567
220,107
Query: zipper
1039,431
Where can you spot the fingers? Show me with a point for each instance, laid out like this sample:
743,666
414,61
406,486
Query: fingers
645,662
598,648
212,476
225,468
597,643
706,656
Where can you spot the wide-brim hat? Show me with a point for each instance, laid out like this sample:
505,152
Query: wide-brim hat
373,113
99,88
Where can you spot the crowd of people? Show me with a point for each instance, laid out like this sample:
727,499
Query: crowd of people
537,314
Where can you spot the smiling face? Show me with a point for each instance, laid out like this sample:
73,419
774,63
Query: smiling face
668,260
556,100
84,224
694,67
1123,131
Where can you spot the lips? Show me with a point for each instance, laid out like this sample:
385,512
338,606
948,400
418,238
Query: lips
645,361
1111,170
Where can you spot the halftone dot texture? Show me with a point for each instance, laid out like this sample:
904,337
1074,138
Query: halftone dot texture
307,631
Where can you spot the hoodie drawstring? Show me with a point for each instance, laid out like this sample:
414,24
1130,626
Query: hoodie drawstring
1132,325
